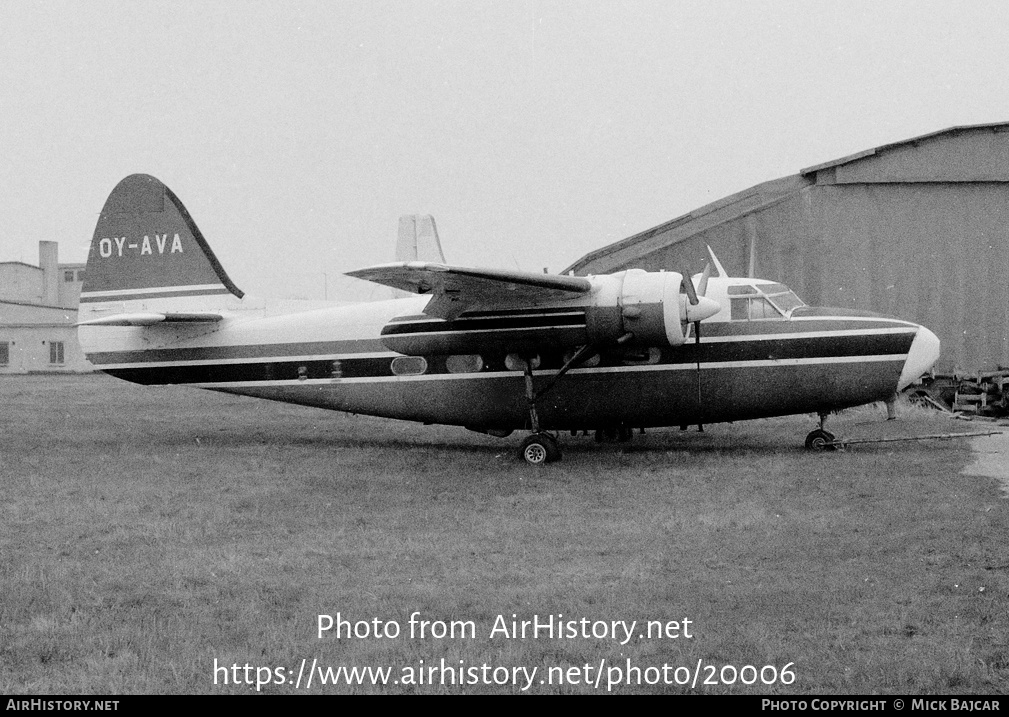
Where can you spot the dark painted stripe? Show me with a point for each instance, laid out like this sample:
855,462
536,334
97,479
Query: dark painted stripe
804,347
774,326
272,371
797,348
497,313
463,325
210,353
688,355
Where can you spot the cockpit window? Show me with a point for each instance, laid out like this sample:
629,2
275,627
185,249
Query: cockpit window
787,301
781,296
754,308
774,301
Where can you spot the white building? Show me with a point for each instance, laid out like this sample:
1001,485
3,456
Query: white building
38,315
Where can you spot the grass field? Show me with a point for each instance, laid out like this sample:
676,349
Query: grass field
148,532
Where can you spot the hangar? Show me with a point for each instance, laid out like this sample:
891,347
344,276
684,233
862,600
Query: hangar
38,315
917,229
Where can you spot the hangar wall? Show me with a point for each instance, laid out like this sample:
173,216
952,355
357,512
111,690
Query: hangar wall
917,229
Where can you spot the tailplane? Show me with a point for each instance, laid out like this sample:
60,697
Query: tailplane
148,253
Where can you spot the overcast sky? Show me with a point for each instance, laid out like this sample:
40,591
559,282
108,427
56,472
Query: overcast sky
534,131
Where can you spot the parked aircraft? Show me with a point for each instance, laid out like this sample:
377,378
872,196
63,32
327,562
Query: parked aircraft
494,351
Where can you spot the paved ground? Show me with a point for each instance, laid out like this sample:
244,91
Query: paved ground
992,458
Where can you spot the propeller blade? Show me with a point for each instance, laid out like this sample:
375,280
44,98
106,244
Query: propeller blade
688,287
702,285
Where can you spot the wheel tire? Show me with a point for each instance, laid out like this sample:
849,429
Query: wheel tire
820,440
539,448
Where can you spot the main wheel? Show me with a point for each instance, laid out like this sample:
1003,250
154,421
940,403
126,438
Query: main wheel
540,448
820,440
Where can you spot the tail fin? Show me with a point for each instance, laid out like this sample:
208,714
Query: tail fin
418,239
146,247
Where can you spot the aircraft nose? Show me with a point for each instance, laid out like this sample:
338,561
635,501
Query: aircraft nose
921,357
703,309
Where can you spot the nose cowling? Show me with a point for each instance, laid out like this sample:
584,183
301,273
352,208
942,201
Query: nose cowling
922,355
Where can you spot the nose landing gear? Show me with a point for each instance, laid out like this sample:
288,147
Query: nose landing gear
821,439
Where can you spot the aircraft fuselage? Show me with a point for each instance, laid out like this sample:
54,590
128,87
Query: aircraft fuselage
335,358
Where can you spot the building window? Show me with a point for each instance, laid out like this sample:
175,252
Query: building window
55,352
68,276
5,353
80,275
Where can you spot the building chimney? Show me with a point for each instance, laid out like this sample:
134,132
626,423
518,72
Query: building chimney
49,263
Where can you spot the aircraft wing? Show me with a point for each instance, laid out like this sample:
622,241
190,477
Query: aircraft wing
152,318
457,289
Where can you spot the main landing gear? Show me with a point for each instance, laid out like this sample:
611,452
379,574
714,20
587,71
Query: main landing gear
540,448
821,439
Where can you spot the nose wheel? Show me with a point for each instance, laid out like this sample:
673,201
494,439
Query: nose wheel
820,439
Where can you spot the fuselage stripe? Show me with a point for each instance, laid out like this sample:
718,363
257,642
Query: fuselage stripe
884,359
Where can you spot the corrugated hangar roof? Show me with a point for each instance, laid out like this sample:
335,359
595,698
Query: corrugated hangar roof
933,157
914,141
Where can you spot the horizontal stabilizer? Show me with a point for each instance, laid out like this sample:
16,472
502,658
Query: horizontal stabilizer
457,289
151,318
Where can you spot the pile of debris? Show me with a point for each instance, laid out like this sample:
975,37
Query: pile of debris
985,393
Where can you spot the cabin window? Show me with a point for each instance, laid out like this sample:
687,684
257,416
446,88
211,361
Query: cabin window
641,357
5,353
56,352
464,363
514,362
741,289
409,365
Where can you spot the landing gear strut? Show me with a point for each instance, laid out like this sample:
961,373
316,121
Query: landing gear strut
821,439
540,447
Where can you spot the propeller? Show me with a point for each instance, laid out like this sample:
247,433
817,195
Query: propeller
691,292
713,267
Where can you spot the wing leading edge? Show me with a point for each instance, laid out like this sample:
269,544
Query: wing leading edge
457,289
152,318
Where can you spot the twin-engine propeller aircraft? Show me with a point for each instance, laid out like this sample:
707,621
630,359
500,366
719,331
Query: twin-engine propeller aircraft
494,351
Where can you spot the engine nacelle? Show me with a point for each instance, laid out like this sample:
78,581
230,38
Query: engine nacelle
632,307
638,307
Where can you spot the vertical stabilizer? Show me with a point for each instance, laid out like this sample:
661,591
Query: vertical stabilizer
418,239
146,247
